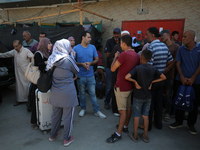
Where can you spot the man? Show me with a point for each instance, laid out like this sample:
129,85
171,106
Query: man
86,56
161,57
117,48
175,37
169,72
28,41
33,48
22,57
188,67
110,43
123,88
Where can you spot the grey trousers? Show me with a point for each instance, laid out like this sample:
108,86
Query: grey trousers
56,118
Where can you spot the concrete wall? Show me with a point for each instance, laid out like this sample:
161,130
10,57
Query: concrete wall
119,10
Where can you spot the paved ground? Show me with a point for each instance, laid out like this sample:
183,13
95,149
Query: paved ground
90,132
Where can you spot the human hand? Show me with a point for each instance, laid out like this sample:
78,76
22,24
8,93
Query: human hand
86,65
184,80
137,86
117,54
190,81
74,53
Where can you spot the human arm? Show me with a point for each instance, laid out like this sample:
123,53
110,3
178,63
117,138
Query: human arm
108,48
75,77
115,64
128,77
74,67
7,54
183,79
169,66
162,77
192,79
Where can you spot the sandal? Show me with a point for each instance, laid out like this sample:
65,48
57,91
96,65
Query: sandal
34,126
16,103
141,126
167,118
146,140
132,137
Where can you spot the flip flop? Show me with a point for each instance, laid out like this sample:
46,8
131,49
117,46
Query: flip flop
16,103
145,140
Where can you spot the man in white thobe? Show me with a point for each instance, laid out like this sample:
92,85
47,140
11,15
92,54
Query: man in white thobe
22,57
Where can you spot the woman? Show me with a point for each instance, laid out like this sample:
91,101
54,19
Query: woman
40,57
63,95
72,41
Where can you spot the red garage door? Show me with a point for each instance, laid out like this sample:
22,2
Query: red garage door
139,28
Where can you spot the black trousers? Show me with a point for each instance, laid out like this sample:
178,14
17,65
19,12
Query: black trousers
32,100
192,116
156,105
114,103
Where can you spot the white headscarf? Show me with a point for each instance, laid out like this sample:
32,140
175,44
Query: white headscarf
134,44
60,50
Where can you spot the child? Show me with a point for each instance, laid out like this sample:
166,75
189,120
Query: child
143,77
100,81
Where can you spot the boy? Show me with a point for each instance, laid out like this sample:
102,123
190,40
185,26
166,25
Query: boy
143,77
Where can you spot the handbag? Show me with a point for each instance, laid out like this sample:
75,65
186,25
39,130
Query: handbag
185,97
32,72
45,80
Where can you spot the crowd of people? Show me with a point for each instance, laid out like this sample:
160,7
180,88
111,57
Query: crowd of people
142,78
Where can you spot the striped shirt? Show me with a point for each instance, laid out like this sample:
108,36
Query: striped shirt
160,55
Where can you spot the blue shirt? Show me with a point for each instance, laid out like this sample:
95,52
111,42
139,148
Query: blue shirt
160,55
85,55
189,62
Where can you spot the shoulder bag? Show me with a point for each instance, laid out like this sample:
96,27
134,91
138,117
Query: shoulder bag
32,72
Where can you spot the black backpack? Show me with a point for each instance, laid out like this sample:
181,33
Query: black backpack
45,80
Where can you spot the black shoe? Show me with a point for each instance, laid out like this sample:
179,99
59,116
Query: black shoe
192,129
125,130
113,138
175,125
106,106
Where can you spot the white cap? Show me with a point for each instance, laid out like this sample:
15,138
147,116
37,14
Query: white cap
125,31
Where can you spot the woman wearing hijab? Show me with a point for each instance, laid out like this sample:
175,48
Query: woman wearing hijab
40,57
63,95
72,41
137,47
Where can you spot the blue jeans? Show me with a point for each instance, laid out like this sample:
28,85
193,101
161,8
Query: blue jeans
141,107
108,85
89,82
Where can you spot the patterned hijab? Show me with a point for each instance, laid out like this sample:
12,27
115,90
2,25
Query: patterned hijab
43,47
60,50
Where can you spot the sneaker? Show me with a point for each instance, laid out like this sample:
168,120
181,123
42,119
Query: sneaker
116,114
100,115
52,139
192,129
113,138
175,125
82,113
67,143
107,106
125,130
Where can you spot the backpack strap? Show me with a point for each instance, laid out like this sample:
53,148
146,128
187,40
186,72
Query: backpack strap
32,60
